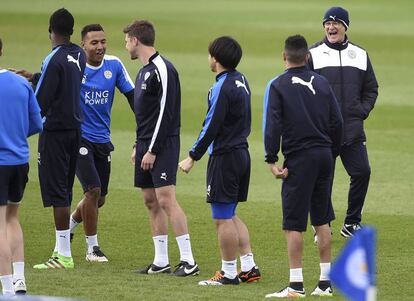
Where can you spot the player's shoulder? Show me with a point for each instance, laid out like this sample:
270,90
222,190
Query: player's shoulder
316,45
11,76
112,58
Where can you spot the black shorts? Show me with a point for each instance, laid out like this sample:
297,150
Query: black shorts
228,177
307,189
164,172
58,153
94,165
13,179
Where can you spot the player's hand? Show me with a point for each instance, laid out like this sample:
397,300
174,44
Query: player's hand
186,164
133,156
26,74
147,162
279,173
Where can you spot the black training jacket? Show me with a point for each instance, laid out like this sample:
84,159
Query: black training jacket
58,88
349,71
300,108
157,102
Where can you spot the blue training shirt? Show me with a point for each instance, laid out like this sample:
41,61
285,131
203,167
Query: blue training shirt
97,96
19,118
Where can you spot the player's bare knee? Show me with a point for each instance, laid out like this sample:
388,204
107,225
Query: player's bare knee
151,204
93,194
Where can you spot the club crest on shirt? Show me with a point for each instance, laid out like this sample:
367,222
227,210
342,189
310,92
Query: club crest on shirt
83,151
107,74
352,54
146,75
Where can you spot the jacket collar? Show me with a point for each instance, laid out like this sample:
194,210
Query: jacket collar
337,46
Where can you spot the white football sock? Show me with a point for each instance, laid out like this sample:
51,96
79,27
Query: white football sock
18,271
91,241
72,224
161,250
7,283
247,262
296,275
229,268
63,237
325,269
184,244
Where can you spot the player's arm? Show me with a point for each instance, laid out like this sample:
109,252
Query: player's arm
272,130
272,123
166,85
125,84
47,87
130,98
369,90
211,125
35,120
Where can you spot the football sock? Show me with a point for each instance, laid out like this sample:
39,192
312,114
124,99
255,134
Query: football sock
63,237
184,244
325,269
323,285
7,283
296,286
247,262
161,250
18,271
296,275
91,241
72,224
229,268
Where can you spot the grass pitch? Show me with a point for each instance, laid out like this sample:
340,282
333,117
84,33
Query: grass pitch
184,29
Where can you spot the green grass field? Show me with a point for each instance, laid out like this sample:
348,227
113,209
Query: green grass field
184,29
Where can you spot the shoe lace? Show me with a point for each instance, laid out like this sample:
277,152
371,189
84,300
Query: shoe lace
217,276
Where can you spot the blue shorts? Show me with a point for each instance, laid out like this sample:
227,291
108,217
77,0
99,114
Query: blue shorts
223,210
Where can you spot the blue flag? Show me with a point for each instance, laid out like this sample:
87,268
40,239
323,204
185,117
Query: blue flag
353,272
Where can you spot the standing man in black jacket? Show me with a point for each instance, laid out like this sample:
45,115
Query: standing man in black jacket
58,93
157,107
348,69
300,108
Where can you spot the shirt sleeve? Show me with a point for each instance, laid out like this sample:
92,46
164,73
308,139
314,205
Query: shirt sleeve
272,123
123,80
47,87
166,86
214,119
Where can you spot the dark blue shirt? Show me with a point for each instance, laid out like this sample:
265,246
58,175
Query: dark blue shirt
228,121
58,89
157,102
19,118
300,107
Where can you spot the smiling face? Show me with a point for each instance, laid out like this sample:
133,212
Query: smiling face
94,44
334,31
